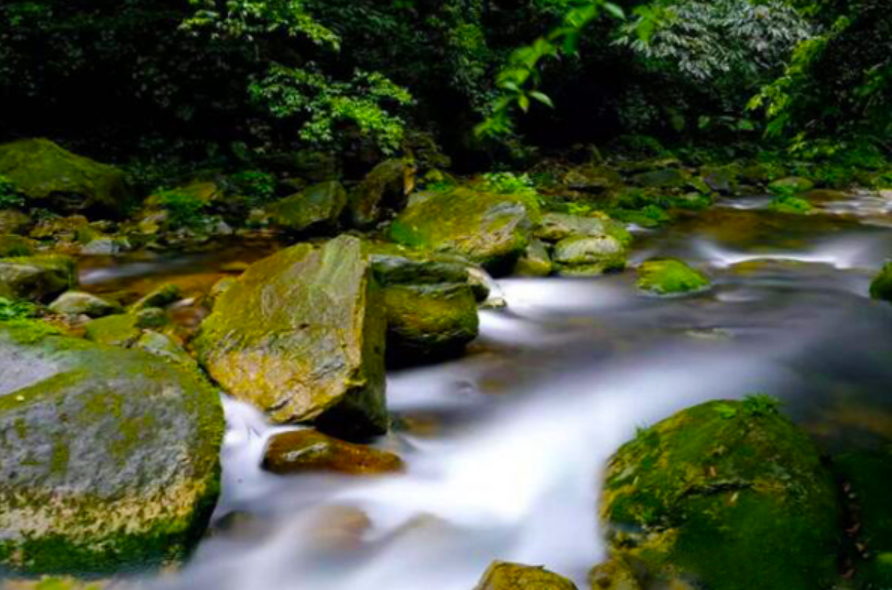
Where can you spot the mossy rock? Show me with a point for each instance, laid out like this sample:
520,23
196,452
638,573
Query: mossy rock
791,185
721,179
315,209
489,229
614,574
790,205
14,222
535,262
668,276
12,246
665,178
301,336
514,576
384,188
55,178
881,287
160,297
397,265
309,451
868,474
584,256
80,303
38,278
725,495
109,458
559,226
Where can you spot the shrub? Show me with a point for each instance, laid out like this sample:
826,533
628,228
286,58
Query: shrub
9,196
255,187
183,209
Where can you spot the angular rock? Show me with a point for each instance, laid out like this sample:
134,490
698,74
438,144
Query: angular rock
301,336
38,278
535,262
109,458
668,276
383,188
56,178
559,226
308,451
489,229
583,256
80,303
315,209
513,576
726,495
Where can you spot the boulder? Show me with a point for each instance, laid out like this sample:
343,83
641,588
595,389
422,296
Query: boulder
38,278
158,297
791,185
12,246
55,178
614,574
513,576
14,222
109,458
385,187
591,179
726,495
535,262
559,226
80,303
120,330
301,336
881,287
315,209
309,451
489,229
721,179
582,256
668,276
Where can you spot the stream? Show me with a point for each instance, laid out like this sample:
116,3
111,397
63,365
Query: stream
505,446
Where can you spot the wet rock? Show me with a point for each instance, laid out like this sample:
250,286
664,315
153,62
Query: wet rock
55,178
308,451
12,246
792,185
535,262
80,303
159,297
583,256
728,495
881,288
105,246
721,179
614,574
315,209
301,336
481,283
110,458
38,278
512,576
385,187
14,222
668,276
489,229
665,178
151,317
559,226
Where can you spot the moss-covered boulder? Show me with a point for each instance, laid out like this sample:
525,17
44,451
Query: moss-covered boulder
726,496
492,230
535,262
791,185
881,287
301,336
582,256
80,303
160,296
55,178
317,208
308,451
790,205
13,246
559,226
664,178
721,179
38,278
121,330
514,576
866,476
109,458
431,307
384,188
668,276
613,574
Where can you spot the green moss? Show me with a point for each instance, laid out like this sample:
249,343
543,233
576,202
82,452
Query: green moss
881,287
790,205
668,276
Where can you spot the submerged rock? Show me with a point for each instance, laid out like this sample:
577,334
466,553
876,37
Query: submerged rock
489,229
383,188
583,256
513,576
109,458
668,276
80,303
38,278
726,495
301,336
310,451
56,178
317,208
881,288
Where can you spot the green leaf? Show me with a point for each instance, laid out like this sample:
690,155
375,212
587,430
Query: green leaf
543,98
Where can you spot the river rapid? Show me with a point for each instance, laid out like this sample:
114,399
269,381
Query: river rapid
505,447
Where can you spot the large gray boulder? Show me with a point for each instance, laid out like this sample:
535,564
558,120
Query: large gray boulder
301,336
109,459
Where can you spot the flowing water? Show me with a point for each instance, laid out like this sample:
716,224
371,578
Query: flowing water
505,446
